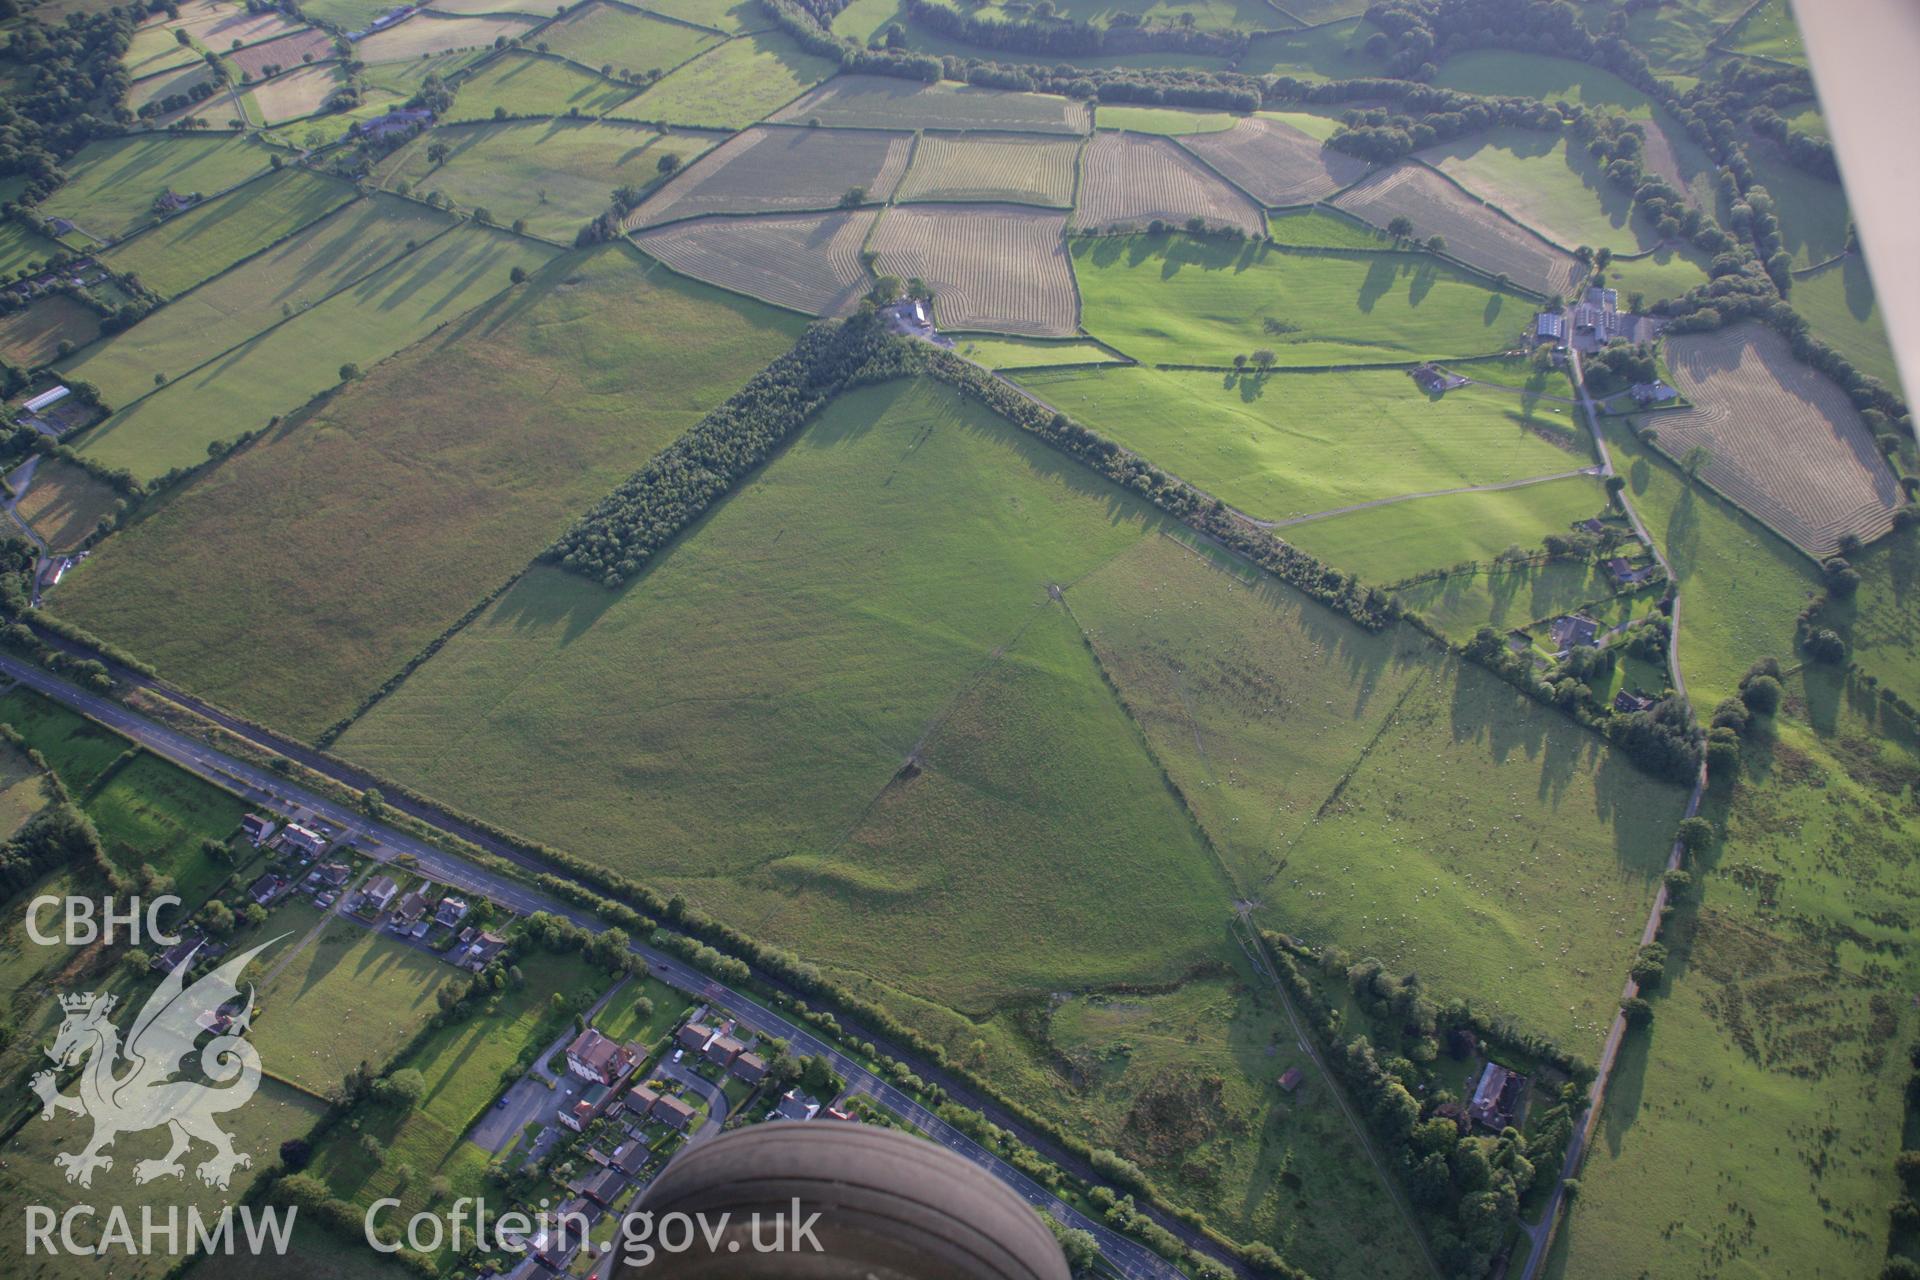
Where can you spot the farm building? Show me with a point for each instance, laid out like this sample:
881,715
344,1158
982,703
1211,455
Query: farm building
1496,1097
1625,574
1572,630
1291,1080
1628,702
1646,393
46,399
1551,325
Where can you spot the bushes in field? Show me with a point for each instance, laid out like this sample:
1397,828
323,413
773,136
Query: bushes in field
615,539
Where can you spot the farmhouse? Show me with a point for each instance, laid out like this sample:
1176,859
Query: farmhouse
1625,574
594,1057
1646,393
1496,1097
1571,631
672,1111
1630,701
257,828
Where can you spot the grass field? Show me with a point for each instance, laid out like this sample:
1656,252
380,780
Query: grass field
1292,444
21,249
1838,301
1814,215
555,174
522,84
36,334
293,95
1763,1110
734,85
1473,232
1769,32
809,262
1882,622
613,356
29,1176
1512,597
427,33
322,1254
1184,301
1318,229
1007,167
206,240
288,280
1741,587
1167,121
1127,180
1370,792
350,995
1389,544
746,771
1001,268
462,1062
162,84
114,182
782,171
608,36
1673,37
1334,51
1781,440
721,15
75,749
1276,161
283,368
884,102
22,794
1539,180
65,503
1028,353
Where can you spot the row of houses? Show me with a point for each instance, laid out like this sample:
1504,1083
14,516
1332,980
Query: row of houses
722,1050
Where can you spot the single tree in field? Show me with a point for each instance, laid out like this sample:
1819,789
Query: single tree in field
1697,457
349,372
669,162
1263,359
853,198
437,153
1401,227
1240,361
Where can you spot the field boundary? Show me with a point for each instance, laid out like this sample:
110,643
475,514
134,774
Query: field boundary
285,319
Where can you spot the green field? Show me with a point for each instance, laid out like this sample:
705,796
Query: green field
554,174
65,503
113,183
1320,228
609,36
1813,212
1741,586
1673,37
1769,32
350,995
22,250
36,334
22,794
1370,792
462,1062
1168,121
77,750
1503,73
283,368
1882,622
290,279
1335,51
522,84
1293,444
152,813
766,781
1392,543
1664,273
201,243
1537,179
732,86
1514,596
623,1020
1182,1082
1028,353
373,527
1838,301
28,1176
1754,1129
1172,299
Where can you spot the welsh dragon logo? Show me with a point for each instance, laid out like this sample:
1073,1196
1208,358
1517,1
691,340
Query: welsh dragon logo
130,1087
